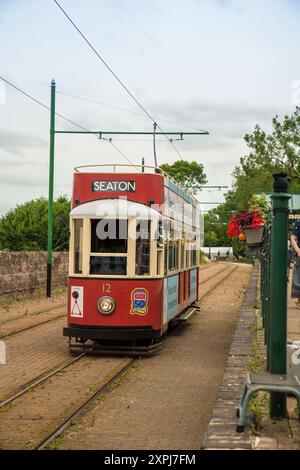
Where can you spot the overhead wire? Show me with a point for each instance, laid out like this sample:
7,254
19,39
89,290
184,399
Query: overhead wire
114,74
60,115
126,110
41,104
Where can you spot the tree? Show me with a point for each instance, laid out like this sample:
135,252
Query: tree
268,153
190,176
25,227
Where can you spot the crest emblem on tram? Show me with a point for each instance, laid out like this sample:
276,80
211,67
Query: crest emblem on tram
139,302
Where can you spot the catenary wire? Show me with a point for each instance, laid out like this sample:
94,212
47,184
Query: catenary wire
113,73
58,114
126,110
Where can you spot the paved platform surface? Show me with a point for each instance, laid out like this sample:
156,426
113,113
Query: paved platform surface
269,434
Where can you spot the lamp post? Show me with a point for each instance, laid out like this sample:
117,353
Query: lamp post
278,286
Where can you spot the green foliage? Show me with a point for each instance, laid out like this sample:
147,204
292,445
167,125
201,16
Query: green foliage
215,229
190,176
268,154
258,202
25,227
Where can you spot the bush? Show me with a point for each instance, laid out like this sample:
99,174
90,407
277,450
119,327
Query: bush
25,227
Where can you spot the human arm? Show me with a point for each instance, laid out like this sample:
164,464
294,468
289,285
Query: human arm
294,244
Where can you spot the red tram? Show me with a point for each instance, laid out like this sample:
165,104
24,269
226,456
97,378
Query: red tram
134,258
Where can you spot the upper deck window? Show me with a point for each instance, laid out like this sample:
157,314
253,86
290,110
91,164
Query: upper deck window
109,236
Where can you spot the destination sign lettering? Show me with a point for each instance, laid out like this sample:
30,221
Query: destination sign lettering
114,186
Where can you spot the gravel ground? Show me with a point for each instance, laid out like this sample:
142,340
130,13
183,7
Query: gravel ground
165,402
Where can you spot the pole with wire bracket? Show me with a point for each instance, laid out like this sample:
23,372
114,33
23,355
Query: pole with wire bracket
51,182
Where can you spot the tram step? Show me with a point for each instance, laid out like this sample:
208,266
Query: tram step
189,313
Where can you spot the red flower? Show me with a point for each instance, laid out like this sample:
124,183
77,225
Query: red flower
244,219
233,227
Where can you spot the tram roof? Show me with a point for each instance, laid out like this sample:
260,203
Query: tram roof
114,208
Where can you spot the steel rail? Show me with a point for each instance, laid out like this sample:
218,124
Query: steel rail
13,332
217,283
37,381
84,407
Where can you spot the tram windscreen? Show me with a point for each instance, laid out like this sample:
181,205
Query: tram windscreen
109,236
108,265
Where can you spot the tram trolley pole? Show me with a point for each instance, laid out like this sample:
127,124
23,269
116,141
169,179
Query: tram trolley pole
51,181
278,289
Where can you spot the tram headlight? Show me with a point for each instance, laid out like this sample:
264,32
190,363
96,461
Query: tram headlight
106,305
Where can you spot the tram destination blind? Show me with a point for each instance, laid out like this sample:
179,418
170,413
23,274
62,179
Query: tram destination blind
114,186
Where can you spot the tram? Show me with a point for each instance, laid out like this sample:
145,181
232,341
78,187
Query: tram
133,259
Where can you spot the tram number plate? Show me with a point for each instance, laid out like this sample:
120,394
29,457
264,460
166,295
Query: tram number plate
106,288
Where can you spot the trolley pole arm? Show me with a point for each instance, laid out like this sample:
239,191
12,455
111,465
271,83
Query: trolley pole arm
51,181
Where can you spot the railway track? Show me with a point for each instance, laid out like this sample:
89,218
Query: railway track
83,407
227,272
39,380
14,331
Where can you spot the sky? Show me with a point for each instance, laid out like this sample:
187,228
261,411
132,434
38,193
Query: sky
219,65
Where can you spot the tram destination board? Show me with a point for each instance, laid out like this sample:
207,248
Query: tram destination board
111,186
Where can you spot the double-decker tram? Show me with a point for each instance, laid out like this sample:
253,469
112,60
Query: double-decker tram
134,258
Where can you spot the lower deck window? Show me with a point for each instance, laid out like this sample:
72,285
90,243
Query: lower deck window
108,265
142,251
78,233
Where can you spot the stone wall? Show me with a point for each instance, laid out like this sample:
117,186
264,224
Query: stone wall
22,272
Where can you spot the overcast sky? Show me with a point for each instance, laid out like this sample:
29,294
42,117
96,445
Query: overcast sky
219,65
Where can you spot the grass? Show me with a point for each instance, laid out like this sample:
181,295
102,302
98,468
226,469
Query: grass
55,445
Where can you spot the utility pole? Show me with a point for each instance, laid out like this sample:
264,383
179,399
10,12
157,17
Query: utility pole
154,144
51,181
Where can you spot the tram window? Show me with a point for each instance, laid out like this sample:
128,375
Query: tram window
187,255
108,265
165,258
170,255
159,261
194,255
142,252
182,254
109,236
159,235
176,252
78,230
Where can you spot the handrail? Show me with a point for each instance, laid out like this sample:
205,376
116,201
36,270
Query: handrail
114,165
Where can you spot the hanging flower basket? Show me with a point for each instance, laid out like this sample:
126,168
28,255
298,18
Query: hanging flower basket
248,226
254,235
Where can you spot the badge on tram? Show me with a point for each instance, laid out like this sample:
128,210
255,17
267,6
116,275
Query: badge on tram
139,302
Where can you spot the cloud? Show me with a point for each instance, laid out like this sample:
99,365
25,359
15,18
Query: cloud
235,6
222,120
15,142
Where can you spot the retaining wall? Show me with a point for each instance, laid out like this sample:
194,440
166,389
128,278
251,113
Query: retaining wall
22,272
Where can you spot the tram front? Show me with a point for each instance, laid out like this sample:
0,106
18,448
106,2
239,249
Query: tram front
115,297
